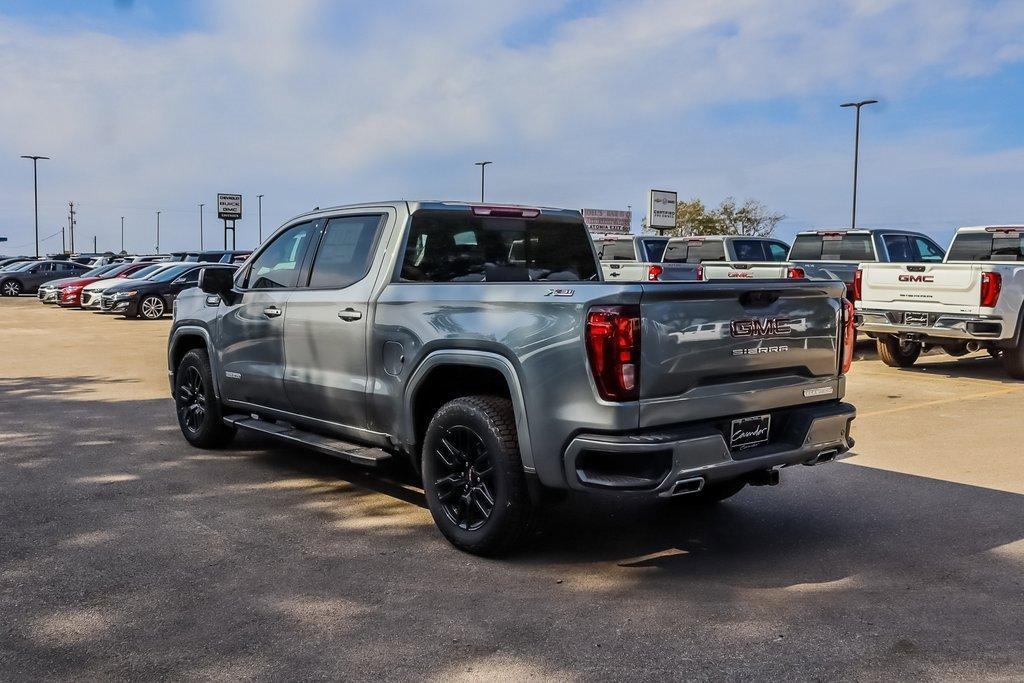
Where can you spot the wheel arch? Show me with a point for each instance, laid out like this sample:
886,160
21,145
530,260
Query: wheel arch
185,339
480,372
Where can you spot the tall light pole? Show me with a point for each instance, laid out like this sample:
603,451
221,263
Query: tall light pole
35,191
856,154
201,226
259,215
482,165
158,232
122,233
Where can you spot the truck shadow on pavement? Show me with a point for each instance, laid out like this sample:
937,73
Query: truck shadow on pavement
261,561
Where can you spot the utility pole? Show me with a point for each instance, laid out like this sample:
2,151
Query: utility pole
35,192
122,233
259,215
63,246
201,226
856,154
482,165
71,227
158,232
94,249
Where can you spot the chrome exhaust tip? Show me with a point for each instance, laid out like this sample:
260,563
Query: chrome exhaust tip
827,455
686,486
973,346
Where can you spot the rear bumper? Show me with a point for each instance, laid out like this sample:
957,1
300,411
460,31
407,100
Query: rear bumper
939,325
655,462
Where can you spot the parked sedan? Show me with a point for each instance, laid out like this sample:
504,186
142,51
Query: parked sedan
92,294
71,291
49,292
152,298
25,278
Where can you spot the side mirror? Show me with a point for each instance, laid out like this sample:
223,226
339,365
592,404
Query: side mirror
217,281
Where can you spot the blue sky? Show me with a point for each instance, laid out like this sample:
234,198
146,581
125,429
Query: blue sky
148,106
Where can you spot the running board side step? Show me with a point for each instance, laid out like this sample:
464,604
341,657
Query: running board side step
354,453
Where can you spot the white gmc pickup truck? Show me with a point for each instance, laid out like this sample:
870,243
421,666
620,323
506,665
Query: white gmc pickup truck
732,257
970,301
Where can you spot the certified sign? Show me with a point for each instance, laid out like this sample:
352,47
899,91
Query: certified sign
608,220
661,209
229,206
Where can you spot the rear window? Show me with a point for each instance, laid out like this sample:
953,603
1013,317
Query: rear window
446,246
694,251
832,248
987,246
616,250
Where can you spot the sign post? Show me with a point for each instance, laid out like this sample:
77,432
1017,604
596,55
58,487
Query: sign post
604,221
661,210
229,208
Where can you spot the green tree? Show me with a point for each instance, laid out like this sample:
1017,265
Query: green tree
729,218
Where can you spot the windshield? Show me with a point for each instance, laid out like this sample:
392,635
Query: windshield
23,266
171,273
143,273
96,272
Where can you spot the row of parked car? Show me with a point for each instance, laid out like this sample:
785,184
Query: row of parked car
132,286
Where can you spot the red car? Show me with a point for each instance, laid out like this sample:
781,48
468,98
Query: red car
71,291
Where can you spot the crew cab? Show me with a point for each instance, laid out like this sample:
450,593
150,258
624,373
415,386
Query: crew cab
418,331
732,257
837,254
971,301
637,258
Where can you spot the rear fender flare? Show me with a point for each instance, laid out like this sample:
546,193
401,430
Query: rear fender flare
484,359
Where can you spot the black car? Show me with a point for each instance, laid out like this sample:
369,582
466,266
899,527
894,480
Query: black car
25,278
153,297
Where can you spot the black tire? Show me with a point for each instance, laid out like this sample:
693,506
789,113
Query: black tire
196,405
151,307
1013,360
10,288
897,354
473,475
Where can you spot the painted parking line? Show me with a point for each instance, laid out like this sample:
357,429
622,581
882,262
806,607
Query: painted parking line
941,401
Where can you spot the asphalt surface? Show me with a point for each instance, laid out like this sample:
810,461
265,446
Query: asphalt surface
126,553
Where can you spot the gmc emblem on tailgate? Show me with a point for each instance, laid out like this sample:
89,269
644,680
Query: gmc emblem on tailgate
917,278
769,327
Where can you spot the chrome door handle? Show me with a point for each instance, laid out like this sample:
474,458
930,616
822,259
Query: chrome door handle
349,314
272,311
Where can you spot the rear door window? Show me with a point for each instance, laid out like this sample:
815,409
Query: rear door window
749,250
777,251
497,249
343,256
898,247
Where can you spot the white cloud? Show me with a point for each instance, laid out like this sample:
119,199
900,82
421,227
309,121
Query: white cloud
312,102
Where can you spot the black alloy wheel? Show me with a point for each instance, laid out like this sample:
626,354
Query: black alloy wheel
196,405
466,491
191,400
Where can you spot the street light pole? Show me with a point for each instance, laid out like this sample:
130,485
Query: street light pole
856,154
259,215
122,233
201,226
158,232
482,165
35,191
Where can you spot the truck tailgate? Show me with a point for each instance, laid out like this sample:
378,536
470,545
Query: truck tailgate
736,270
724,347
921,286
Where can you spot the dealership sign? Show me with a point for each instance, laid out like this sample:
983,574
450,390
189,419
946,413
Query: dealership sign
661,209
229,206
608,220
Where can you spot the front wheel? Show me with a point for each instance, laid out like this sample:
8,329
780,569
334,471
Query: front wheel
10,288
896,353
199,414
473,475
152,307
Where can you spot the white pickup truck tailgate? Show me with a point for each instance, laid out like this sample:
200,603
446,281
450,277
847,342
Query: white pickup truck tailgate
935,287
735,270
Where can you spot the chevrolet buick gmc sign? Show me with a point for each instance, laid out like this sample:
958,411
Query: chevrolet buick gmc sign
661,209
229,206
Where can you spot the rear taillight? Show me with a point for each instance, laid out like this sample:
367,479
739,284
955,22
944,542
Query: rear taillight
613,348
700,272
991,285
654,273
858,278
795,273
849,336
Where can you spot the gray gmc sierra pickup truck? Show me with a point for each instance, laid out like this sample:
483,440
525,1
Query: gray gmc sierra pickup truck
481,343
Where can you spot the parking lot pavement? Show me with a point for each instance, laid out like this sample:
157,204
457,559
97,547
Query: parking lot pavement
127,553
